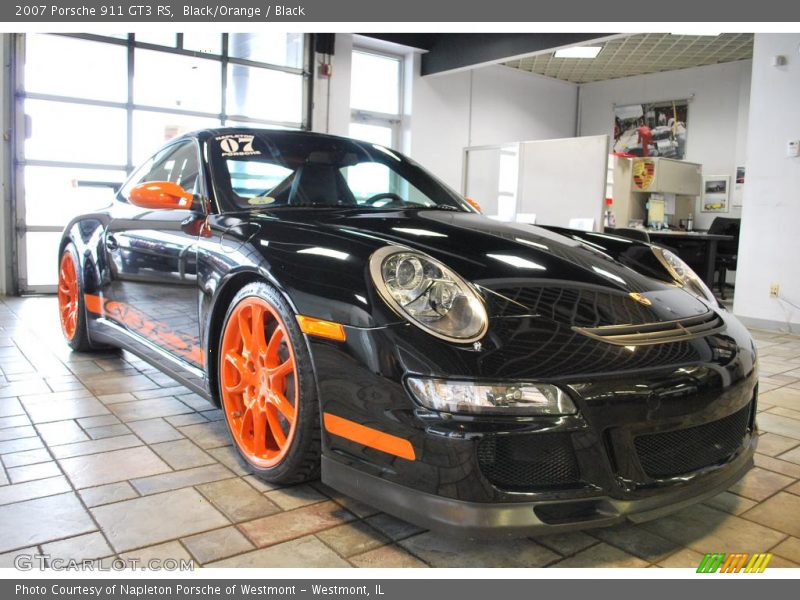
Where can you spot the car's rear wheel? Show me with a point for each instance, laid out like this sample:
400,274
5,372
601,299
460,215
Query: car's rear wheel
71,307
267,387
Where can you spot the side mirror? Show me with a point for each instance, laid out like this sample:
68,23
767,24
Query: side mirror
161,195
474,204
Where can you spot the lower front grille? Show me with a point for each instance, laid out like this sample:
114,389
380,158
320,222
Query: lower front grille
682,451
529,462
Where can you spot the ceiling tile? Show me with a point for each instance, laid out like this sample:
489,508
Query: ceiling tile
640,54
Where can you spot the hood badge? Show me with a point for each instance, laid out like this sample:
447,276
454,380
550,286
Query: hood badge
640,299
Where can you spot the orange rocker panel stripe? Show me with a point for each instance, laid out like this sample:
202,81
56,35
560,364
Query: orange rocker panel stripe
94,304
367,436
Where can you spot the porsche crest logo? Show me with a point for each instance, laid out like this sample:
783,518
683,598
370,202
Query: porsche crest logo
640,299
644,171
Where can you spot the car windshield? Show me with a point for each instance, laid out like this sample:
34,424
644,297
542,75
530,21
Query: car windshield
273,169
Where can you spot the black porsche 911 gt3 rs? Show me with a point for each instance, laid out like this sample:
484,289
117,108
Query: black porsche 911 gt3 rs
357,319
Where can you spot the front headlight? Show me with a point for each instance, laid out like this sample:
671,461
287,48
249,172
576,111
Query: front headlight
683,274
428,294
491,398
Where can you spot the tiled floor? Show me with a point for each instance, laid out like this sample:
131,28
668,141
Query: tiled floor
103,456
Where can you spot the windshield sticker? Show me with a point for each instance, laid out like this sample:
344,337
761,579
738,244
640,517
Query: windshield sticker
237,144
261,200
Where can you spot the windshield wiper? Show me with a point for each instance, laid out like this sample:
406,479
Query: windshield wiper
301,205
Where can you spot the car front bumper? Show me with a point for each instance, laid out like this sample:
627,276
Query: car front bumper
700,390
517,519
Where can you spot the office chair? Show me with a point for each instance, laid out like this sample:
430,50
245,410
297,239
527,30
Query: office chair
727,252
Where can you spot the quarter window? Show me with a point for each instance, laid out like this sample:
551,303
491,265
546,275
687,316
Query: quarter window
178,164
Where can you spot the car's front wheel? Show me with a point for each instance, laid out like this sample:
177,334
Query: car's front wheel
267,387
71,307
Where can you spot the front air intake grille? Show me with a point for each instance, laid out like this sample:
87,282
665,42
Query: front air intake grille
656,333
682,451
529,462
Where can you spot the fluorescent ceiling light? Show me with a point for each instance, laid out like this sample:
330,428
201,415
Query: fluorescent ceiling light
579,52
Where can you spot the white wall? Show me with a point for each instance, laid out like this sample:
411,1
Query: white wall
440,116
331,111
770,239
488,105
717,120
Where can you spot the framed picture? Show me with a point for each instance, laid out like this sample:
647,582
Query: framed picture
738,188
652,129
716,193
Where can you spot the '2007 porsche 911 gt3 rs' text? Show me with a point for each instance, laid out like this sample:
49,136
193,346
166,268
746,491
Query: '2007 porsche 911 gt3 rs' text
356,319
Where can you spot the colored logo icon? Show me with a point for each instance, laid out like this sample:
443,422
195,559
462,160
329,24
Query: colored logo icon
720,562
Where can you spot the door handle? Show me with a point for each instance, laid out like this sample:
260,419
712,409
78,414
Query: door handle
111,242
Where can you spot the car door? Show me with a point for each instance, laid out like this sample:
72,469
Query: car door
152,290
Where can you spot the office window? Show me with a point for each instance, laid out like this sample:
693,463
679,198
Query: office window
375,83
376,98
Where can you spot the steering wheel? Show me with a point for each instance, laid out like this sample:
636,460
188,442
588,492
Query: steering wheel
373,200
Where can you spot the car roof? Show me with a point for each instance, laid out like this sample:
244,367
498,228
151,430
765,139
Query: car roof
204,134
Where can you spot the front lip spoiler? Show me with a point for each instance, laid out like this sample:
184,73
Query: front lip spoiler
516,519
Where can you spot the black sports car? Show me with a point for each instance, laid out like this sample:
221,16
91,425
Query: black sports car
357,319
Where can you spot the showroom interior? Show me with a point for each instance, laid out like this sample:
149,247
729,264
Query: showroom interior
103,456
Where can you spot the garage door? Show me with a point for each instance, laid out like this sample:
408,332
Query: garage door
89,108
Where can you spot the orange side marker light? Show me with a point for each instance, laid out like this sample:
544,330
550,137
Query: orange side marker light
321,328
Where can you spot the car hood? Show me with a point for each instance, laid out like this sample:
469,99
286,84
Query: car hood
522,269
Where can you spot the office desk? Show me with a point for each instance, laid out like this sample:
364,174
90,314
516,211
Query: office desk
686,241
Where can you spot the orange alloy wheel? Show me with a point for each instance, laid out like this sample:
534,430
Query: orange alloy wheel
260,389
68,295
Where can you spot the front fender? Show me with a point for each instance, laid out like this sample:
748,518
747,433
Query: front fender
86,233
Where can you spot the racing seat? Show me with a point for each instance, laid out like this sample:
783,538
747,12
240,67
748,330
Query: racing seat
320,184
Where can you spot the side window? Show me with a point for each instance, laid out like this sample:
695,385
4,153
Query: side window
177,163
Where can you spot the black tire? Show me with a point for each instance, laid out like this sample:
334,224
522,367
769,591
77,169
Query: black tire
302,461
80,340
